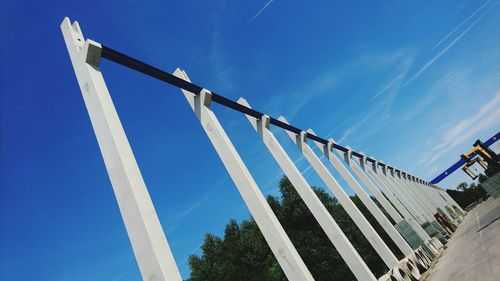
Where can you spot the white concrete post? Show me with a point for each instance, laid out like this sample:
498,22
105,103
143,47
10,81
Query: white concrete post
314,204
420,189
373,189
396,202
143,227
438,200
381,173
442,203
280,244
363,196
403,189
439,197
426,212
403,184
435,196
429,195
434,201
406,193
371,235
445,206
390,182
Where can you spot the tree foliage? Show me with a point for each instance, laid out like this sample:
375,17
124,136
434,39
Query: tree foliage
243,254
467,194
462,186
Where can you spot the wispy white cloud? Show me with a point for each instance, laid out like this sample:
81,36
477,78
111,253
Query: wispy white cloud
401,61
390,84
269,185
220,61
193,206
355,127
461,24
380,107
192,252
392,88
294,101
486,117
261,10
445,49
326,81
347,133
120,276
452,83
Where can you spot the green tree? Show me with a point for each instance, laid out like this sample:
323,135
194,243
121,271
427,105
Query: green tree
243,254
482,178
468,195
462,186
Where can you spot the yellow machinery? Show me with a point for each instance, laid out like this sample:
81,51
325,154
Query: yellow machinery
482,154
470,160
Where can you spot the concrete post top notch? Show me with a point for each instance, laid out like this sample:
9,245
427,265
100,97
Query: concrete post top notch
75,31
330,144
88,48
300,138
283,119
265,121
310,131
206,97
348,155
243,101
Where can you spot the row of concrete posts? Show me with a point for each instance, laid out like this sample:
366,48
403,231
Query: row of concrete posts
418,218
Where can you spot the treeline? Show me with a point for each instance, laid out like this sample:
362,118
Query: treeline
466,194
243,254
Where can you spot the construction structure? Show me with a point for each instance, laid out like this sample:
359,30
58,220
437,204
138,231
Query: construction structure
486,158
424,214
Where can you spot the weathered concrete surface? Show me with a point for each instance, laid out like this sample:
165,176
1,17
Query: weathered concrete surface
474,250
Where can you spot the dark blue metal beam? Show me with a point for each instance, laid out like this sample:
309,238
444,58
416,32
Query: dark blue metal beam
461,162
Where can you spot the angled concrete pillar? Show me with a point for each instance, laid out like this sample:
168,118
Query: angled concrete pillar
371,186
279,242
402,188
408,189
420,190
363,196
382,173
449,199
313,203
444,205
146,235
370,171
371,235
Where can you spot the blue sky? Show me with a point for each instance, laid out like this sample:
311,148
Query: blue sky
411,83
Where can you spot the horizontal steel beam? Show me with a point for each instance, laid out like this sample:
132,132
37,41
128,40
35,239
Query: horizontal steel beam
161,75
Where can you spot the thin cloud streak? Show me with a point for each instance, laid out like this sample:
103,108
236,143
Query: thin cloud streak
330,134
443,51
173,224
388,85
261,10
193,251
355,127
485,118
461,24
